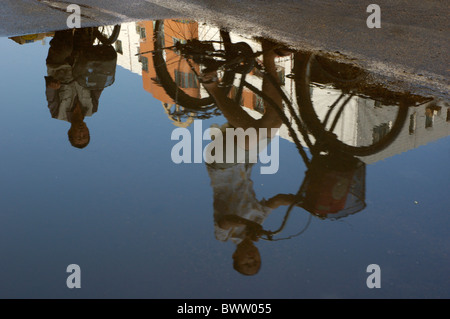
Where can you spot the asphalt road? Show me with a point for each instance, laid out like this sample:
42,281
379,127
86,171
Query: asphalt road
411,46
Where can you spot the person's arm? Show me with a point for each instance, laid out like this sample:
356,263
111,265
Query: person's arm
52,94
280,200
95,96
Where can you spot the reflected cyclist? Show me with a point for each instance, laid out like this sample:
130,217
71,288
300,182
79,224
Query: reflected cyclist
73,86
238,214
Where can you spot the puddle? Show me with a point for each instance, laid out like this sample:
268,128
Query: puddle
117,158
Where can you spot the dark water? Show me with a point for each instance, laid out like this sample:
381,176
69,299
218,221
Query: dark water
141,226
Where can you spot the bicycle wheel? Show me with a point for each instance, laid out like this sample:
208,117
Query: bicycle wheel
178,73
107,34
337,114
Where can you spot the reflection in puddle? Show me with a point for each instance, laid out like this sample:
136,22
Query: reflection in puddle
342,97
337,117
80,64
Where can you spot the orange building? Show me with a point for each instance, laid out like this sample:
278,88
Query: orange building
179,31
174,30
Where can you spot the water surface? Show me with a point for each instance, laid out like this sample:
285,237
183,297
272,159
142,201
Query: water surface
141,226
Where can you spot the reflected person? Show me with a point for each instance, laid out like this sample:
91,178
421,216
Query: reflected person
67,99
238,214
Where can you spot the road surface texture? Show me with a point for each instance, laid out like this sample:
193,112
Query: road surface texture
410,48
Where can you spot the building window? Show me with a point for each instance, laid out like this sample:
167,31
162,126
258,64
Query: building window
380,131
185,80
412,123
429,117
430,112
144,61
281,74
259,104
142,34
118,46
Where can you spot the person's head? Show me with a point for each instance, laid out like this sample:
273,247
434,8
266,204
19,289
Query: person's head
79,135
246,258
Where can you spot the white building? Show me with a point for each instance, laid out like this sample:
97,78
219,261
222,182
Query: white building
127,46
425,124
361,121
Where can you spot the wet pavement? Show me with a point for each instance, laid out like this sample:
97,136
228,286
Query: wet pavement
411,45
108,163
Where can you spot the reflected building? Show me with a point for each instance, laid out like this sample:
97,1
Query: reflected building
127,46
138,37
364,121
425,123
178,30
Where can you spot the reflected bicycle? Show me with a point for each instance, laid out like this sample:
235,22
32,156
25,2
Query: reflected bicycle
331,98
